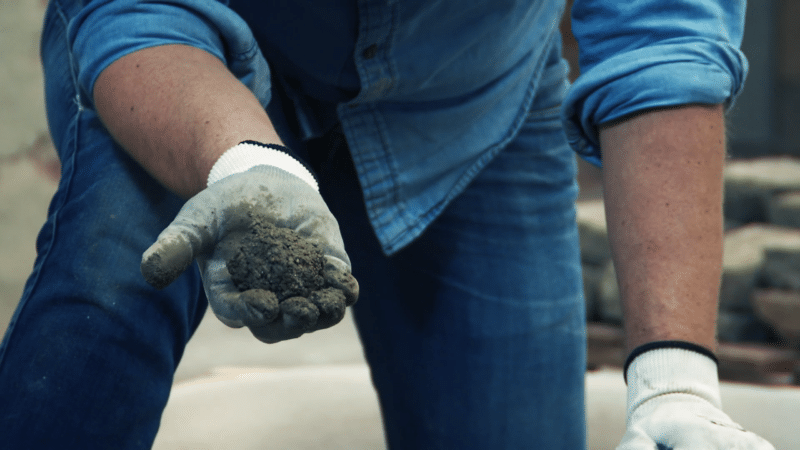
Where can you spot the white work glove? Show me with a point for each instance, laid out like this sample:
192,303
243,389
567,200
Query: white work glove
674,404
250,180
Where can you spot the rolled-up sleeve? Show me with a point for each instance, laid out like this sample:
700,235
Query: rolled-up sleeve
106,30
643,54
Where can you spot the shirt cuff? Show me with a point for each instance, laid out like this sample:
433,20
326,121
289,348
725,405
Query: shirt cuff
677,72
104,31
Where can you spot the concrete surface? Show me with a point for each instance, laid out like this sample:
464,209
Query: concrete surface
231,391
334,407
302,408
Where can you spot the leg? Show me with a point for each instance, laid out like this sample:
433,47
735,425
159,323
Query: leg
475,333
88,359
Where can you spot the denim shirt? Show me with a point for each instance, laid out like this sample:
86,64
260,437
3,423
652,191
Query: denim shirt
428,91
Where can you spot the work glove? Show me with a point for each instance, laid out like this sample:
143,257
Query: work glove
250,183
674,404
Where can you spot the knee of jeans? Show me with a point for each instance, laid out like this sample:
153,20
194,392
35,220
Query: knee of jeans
104,219
95,271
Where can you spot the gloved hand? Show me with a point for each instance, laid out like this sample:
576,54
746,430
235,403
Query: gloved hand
674,404
211,223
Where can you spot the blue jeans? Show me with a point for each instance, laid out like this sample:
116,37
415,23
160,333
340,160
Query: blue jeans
474,333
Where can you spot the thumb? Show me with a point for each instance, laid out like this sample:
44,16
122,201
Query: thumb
193,231
165,260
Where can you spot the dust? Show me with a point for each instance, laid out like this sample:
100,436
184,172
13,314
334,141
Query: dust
280,261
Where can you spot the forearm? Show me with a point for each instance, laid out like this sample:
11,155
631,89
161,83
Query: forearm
175,109
662,174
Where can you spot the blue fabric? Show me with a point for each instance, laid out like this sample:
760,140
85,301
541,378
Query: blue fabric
435,75
488,301
88,359
471,88
475,331
460,173
644,54
325,70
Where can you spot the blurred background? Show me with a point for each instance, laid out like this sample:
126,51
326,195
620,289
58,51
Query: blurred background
760,305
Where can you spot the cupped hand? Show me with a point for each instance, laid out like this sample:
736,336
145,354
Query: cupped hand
210,227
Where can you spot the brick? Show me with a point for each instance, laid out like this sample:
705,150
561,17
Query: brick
796,374
741,327
755,363
606,345
744,260
781,310
593,232
782,266
592,276
784,209
609,303
750,184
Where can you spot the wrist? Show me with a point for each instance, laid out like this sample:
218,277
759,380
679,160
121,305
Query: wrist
248,154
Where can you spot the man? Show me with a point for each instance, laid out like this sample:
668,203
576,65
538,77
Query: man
433,133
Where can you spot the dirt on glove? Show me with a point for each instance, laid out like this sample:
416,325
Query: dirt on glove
280,261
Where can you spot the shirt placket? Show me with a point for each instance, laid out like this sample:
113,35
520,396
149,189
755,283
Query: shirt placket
376,72
363,121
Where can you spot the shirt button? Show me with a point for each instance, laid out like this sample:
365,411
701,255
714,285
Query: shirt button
370,51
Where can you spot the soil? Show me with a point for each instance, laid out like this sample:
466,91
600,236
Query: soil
280,261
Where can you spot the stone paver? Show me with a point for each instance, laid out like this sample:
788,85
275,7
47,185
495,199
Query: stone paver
750,185
782,265
744,260
609,300
784,209
591,216
781,309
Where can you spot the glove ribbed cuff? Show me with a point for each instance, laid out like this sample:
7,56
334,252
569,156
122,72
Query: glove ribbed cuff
666,344
248,154
672,371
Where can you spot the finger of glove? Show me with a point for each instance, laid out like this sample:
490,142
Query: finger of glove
232,307
330,303
259,310
337,274
682,422
192,232
253,308
298,316
274,332
694,442
220,209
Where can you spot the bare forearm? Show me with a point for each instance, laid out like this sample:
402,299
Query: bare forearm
175,109
663,192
